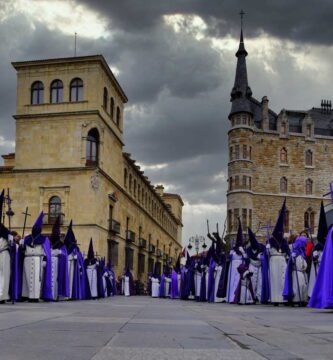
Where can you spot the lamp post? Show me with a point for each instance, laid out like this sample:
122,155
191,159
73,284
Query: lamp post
197,241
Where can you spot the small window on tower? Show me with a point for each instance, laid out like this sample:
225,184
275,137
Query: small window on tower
244,181
283,156
238,119
231,153
244,217
236,182
308,187
237,152
283,128
283,185
244,119
308,158
245,152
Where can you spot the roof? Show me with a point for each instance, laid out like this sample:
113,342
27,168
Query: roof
256,111
77,59
169,195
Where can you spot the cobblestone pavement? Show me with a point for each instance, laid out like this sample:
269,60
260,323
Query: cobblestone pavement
143,328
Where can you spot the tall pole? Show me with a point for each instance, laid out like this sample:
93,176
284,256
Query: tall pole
75,35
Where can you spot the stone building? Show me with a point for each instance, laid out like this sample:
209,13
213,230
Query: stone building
275,156
69,160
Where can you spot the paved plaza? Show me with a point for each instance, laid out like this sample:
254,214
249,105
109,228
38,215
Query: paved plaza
143,328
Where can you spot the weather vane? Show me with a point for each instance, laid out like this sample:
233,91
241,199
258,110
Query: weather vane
242,13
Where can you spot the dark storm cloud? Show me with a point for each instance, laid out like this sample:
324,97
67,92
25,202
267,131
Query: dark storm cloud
306,21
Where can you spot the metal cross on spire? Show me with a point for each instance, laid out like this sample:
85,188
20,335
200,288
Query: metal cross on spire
242,13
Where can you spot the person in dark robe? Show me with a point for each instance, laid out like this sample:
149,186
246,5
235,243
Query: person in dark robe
236,258
244,293
37,264
91,265
77,276
60,282
318,249
102,275
110,279
155,283
296,280
277,253
185,286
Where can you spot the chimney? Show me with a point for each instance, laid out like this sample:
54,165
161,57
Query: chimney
264,113
159,190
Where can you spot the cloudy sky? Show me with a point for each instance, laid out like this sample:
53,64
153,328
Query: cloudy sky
175,60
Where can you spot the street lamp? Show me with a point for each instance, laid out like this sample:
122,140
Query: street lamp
197,241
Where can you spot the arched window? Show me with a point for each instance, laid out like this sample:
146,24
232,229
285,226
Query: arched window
118,116
76,90
309,220
308,187
308,130
283,156
105,99
125,177
283,128
130,183
308,158
54,209
92,147
283,185
37,93
134,187
57,92
111,107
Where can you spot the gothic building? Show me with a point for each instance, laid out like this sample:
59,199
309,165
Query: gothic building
275,156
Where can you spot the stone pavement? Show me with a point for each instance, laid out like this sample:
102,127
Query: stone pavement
143,328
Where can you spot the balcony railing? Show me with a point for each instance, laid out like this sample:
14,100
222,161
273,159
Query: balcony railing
50,219
151,249
130,236
142,243
114,227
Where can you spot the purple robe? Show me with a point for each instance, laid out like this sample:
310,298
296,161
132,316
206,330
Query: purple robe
211,281
174,285
162,294
63,281
322,295
14,273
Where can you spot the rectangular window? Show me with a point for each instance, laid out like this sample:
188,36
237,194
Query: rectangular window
238,119
236,216
150,265
129,257
141,263
113,252
245,152
158,268
244,217
244,181
308,130
236,182
231,153
237,152
244,119
250,183
231,184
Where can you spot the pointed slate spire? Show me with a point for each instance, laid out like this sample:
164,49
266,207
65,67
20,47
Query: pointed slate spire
91,255
239,239
322,225
241,92
278,231
2,198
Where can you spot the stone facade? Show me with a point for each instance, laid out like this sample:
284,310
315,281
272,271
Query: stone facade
69,160
272,157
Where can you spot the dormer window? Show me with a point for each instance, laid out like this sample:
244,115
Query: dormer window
283,128
308,131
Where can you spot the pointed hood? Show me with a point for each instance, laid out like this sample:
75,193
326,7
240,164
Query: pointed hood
70,240
177,266
37,227
39,220
322,225
239,239
55,235
91,255
278,231
241,92
2,198
253,240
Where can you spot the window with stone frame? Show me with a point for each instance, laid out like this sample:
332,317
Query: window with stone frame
92,147
308,130
250,183
37,93
231,183
238,119
229,220
237,182
283,128
244,181
113,252
76,90
245,153
283,156
105,98
231,153
244,217
129,257
150,265
141,263
244,119
250,153
118,116
54,209
308,187
236,152
309,220
56,92
286,222
308,158
236,216
283,185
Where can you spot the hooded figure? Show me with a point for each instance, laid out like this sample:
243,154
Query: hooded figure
78,283
277,251
8,261
244,293
60,284
318,249
128,283
257,266
155,284
91,267
110,279
175,277
102,275
236,258
37,264
296,280
322,295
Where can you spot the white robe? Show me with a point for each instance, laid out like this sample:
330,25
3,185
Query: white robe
92,280
217,277
55,268
245,295
155,287
71,265
197,283
300,280
4,269
179,278
126,286
233,276
33,272
314,271
277,269
255,268
167,284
